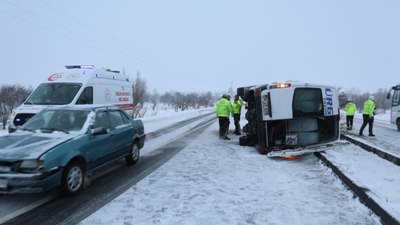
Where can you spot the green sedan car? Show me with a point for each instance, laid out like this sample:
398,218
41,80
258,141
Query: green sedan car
60,145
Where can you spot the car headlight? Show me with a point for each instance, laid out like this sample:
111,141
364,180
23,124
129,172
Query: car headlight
31,164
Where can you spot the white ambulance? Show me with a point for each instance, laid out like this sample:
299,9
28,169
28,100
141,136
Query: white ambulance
76,85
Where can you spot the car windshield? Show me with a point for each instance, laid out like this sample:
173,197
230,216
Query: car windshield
54,94
48,121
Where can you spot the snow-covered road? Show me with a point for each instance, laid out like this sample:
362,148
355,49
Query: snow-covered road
215,181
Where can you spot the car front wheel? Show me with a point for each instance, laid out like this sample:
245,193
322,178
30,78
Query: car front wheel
134,154
73,178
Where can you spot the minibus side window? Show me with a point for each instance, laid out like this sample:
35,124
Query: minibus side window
396,98
86,96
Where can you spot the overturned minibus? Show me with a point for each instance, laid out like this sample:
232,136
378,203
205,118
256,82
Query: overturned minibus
289,119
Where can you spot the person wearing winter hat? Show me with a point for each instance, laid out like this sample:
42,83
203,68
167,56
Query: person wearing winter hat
368,115
350,111
223,110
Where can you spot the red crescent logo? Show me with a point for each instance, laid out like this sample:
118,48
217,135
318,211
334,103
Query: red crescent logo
54,77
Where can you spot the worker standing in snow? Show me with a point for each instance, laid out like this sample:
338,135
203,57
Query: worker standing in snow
223,111
350,111
368,115
237,108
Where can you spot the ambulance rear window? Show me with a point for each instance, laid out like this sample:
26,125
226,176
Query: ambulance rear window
54,94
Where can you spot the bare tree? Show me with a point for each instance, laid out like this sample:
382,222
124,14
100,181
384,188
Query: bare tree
179,102
206,99
154,99
192,100
11,96
139,88
381,101
167,98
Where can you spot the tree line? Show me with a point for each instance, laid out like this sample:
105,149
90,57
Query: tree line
357,97
12,96
179,101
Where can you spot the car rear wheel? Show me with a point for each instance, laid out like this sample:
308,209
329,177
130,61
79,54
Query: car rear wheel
398,124
73,178
134,155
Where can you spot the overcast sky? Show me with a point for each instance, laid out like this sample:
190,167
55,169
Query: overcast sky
188,45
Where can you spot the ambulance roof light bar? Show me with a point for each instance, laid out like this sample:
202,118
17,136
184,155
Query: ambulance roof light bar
79,66
112,71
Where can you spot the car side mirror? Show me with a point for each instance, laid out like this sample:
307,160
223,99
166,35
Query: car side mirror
99,131
388,95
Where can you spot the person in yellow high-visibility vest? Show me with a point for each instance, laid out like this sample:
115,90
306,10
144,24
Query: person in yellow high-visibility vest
223,110
237,108
350,111
368,115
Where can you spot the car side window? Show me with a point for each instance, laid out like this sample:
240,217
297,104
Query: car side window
116,118
102,120
125,117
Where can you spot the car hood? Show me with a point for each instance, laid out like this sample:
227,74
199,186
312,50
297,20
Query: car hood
27,145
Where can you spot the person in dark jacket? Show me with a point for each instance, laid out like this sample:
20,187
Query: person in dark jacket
237,108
